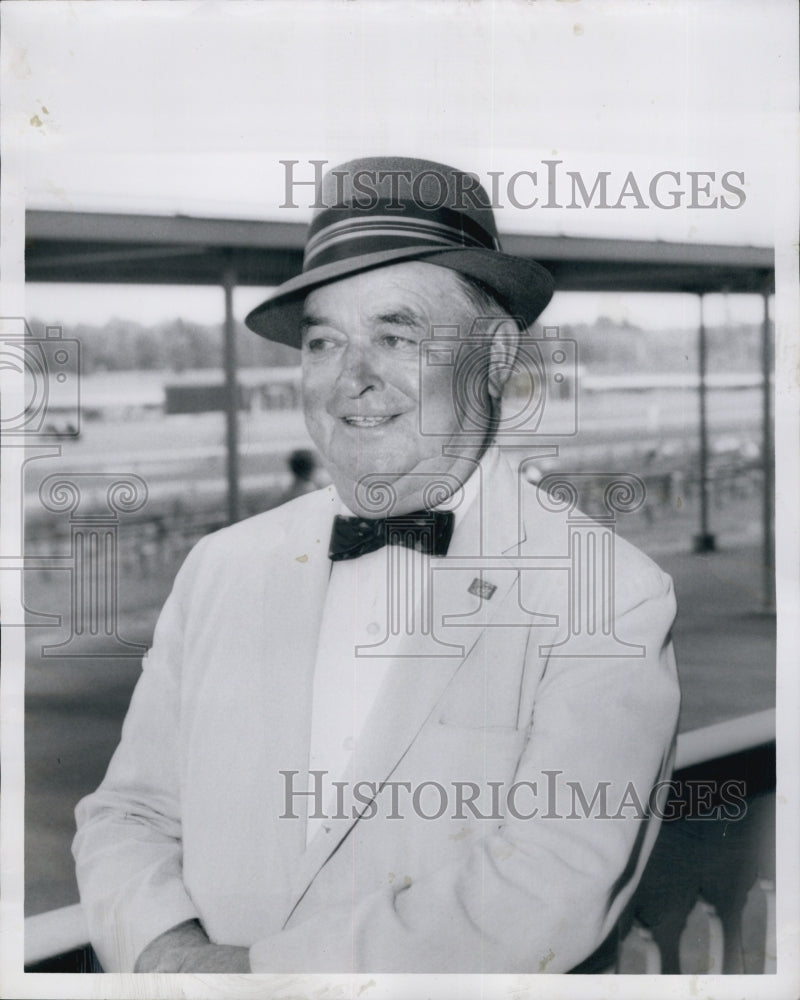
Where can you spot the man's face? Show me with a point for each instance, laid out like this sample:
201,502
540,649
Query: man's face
361,380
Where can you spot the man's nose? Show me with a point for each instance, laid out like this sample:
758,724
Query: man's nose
359,372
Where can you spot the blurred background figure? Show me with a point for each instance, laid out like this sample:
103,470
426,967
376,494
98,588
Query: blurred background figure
303,466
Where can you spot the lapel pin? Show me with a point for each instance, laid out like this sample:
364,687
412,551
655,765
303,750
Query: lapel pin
482,588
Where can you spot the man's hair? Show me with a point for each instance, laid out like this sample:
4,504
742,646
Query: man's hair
485,299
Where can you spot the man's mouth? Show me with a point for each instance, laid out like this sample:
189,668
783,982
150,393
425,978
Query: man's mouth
374,421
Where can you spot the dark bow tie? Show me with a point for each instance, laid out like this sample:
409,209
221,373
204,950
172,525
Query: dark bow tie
424,530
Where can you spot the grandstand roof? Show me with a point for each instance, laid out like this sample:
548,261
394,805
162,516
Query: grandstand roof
104,247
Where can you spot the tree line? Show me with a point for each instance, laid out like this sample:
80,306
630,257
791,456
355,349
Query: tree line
603,346
176,345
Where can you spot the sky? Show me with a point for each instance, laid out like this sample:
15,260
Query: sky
193,108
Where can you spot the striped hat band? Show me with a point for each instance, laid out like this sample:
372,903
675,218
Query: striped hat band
343,231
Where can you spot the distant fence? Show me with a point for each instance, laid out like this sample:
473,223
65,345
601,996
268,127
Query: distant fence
192,509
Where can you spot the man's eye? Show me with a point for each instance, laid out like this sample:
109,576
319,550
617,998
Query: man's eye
396,343
316,345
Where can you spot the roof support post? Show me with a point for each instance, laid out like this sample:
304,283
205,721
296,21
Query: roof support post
231,398
768,464
704,541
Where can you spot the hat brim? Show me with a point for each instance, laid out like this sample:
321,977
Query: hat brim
524,286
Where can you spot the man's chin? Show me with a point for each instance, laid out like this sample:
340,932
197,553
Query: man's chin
379,482
379,488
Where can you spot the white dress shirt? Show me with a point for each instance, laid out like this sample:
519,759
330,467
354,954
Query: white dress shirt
361,611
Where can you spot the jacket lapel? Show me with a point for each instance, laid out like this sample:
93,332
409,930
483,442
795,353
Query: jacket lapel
292,599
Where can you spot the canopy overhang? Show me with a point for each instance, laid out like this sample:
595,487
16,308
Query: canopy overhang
100,247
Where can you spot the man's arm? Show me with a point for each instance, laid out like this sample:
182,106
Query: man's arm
186,948
535,894
128,849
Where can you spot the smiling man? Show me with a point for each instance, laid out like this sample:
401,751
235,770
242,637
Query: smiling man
363,394
395,725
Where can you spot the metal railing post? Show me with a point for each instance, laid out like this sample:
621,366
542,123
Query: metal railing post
767,446
231,398
704,541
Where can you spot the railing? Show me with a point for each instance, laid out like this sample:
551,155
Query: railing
57,932
706,902
725,738
669,926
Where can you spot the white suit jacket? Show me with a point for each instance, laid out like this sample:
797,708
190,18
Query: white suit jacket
524,687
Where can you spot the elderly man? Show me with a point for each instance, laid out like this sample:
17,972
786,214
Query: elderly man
378,729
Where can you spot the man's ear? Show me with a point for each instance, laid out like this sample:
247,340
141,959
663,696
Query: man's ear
502,354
